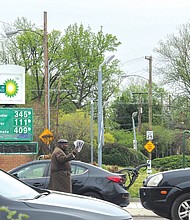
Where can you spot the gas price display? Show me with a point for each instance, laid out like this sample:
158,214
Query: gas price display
16,124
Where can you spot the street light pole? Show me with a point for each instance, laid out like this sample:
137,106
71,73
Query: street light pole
91,130
100,110
134,132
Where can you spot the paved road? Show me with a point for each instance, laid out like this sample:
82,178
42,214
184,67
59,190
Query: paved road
139,213
148,218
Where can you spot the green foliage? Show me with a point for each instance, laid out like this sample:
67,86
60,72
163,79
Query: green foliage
173,63
84,51
74,58
164,140
134,189
170,162
114,154
108,138
75,126
125,138
129,101
11,214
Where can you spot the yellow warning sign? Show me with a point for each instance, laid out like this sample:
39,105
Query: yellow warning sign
46,136
149,146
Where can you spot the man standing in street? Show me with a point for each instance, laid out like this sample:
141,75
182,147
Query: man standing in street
60,177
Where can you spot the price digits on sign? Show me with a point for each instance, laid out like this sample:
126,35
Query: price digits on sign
22,121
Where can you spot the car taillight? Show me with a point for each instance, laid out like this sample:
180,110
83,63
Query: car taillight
116,179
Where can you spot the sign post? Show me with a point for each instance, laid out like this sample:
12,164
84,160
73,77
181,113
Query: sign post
149,146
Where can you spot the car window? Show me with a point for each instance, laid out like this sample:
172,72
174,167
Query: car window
76,169
32,171
14,189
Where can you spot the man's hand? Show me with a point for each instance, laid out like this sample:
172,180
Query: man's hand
74,152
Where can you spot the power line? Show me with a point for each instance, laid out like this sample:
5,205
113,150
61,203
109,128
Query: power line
132,61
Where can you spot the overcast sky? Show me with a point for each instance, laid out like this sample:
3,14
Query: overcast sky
138,24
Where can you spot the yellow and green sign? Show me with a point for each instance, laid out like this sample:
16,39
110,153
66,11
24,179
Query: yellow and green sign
12,84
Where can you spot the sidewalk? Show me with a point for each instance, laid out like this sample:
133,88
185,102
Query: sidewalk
136,209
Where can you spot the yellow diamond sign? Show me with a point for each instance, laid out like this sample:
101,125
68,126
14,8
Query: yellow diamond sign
46,136
149,146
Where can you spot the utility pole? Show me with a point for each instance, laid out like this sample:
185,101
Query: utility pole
149,58
46,74
140,108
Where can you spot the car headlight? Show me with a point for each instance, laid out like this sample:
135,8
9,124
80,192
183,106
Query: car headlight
155,180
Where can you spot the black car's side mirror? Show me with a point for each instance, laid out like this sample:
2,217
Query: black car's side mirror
15,175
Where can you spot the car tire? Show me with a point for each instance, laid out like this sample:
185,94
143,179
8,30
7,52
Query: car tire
93,194
181,207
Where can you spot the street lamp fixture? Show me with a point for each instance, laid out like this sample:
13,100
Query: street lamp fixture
46,71
11,33
100,110
134,132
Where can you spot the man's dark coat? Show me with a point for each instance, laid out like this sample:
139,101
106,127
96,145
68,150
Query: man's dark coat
60,178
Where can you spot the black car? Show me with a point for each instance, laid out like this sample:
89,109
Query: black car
18,199
87,179
168,194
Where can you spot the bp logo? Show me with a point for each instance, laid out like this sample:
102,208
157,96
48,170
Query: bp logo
11,88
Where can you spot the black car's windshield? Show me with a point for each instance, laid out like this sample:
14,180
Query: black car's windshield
14,189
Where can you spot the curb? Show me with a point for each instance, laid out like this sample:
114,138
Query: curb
136,209
141,212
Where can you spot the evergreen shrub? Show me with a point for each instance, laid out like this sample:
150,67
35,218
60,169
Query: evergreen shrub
170,162
114,154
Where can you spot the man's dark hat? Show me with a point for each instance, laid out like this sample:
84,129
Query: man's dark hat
62,141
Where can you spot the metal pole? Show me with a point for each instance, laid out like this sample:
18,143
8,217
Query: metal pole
46,74
100,111
57,114
100,116
134,132
91,130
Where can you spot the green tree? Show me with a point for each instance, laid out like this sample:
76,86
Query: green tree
85,50
173,68
75,126
74,58
132,100
173,53
164,140
178,114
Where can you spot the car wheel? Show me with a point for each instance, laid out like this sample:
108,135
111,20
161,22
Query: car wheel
93,194
181,208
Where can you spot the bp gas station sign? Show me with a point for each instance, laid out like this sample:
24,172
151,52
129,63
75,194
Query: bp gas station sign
16,124
12,84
